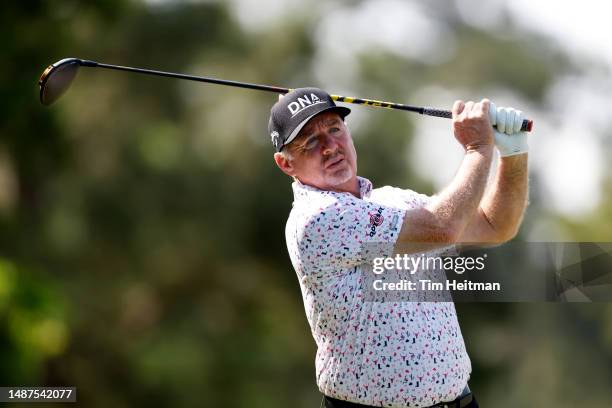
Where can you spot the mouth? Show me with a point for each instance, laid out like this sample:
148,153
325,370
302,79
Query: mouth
334,163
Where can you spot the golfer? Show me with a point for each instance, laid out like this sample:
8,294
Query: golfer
389,354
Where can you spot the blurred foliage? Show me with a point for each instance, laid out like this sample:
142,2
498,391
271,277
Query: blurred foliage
142,254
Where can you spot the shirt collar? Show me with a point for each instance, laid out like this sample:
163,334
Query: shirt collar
301,191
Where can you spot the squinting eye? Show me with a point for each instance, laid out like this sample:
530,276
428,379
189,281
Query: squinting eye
311,143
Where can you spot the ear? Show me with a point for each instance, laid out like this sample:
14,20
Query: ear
285,165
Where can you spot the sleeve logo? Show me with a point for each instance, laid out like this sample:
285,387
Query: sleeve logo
376,220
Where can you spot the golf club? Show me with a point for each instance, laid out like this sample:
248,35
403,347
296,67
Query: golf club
56,79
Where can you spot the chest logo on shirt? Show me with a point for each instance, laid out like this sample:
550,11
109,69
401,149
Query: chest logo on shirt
376,220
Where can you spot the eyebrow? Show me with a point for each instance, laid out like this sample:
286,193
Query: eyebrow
308,130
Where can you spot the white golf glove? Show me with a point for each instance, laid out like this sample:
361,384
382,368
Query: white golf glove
509,139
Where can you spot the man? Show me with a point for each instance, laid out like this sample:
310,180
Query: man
391,354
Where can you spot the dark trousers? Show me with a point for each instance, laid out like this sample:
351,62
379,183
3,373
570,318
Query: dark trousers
334,403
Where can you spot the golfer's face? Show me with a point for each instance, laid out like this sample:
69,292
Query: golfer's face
323,153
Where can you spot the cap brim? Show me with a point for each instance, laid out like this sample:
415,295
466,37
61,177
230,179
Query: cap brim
342,111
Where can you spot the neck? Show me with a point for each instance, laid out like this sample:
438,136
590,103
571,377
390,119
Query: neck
351,187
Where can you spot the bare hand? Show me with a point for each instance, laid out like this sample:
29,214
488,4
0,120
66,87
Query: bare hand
471,124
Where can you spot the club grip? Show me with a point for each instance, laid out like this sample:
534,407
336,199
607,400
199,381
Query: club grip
441,113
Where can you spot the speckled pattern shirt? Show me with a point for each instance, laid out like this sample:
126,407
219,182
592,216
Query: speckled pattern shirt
391,354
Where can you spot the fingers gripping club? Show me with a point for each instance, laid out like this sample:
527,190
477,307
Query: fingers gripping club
510,138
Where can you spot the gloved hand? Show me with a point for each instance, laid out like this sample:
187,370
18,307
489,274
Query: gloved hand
509,139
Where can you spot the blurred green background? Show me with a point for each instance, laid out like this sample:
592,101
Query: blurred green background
142,253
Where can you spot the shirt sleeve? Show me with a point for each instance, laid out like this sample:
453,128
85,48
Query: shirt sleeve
411,198
347,233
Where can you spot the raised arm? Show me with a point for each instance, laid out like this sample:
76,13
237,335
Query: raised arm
501,210
446,216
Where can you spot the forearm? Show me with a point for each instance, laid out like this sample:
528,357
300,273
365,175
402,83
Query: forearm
456,205
504,203
443,219
446,215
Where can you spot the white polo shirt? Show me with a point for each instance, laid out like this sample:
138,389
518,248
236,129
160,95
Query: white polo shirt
391,354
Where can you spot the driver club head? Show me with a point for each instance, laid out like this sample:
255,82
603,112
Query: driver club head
56,79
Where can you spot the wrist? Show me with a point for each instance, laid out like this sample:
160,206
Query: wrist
485,149
515,165
515,158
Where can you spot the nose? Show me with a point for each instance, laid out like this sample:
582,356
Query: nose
330,145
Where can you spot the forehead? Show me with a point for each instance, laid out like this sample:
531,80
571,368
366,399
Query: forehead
324,118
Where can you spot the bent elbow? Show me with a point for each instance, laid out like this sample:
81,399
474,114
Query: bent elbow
507,235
